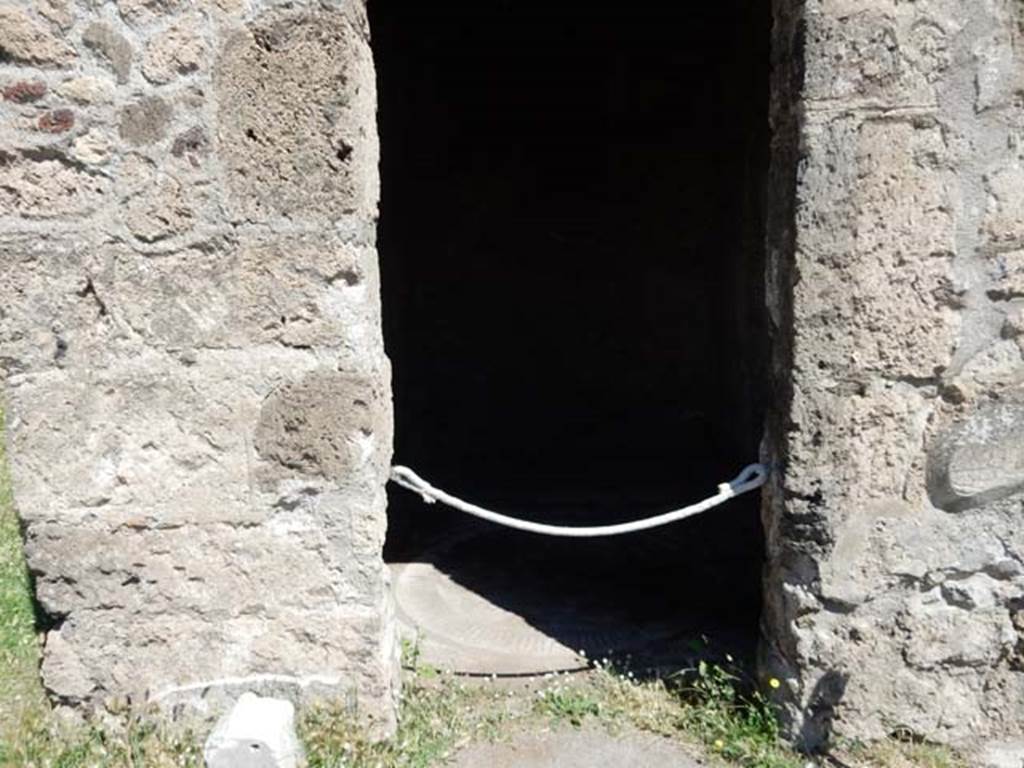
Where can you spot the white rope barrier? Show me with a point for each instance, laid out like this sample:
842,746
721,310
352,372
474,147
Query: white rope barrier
752,476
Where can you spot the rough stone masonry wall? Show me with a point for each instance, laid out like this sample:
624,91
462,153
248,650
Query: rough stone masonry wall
198,405
895,519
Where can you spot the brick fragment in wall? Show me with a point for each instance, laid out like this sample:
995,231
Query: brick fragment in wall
25,91
56,121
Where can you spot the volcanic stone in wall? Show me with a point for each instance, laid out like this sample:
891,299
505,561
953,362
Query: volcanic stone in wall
296,112
323,425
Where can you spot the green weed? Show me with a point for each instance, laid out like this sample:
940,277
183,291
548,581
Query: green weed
569,704
732,717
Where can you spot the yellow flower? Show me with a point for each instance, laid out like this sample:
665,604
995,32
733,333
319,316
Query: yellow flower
773,682
719,744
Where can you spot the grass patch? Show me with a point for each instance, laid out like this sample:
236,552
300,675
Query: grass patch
117,743
22,695
711,706
441,713
430,729
710,709
900,753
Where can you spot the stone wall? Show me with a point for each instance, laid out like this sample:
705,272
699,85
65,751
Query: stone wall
198,403
198,399
895,521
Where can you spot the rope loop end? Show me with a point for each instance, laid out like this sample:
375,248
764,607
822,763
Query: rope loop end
753,476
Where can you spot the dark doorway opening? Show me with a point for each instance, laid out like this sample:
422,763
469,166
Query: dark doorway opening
572,256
